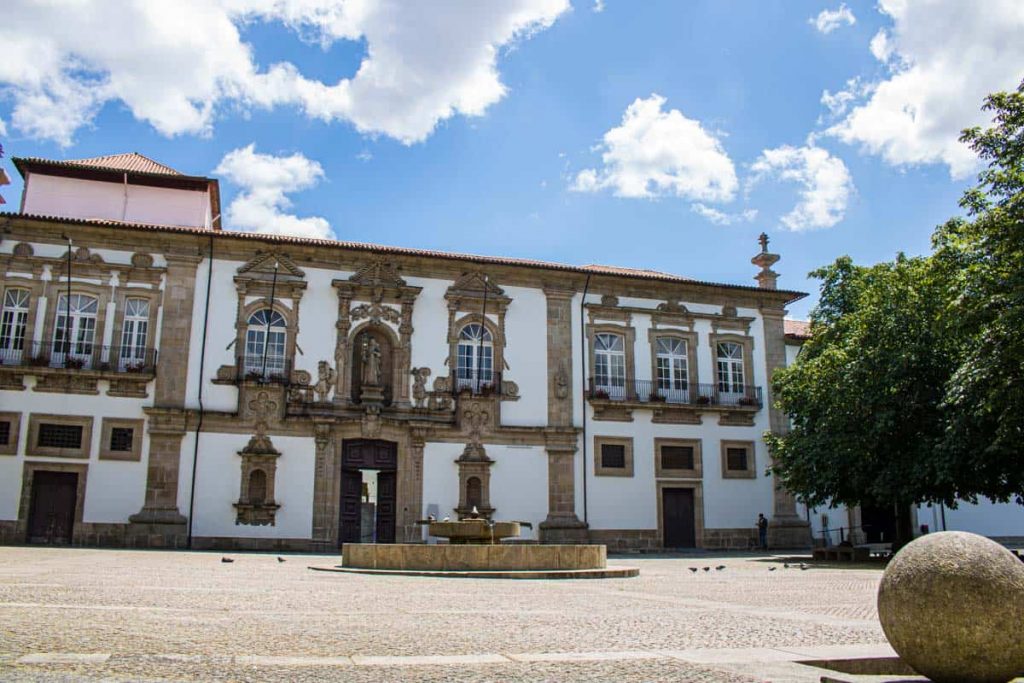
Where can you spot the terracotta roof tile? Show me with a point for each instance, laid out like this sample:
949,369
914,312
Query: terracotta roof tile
131,162
797,329
405,251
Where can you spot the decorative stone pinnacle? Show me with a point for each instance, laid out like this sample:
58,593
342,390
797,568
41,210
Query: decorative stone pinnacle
766,279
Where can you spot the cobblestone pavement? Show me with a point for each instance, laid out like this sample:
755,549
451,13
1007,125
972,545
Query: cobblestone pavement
82,614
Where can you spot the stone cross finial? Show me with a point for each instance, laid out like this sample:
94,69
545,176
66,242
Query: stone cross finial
764,260
763,239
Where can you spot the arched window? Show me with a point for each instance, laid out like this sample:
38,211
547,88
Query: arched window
610,364
731,378
134,333
474,492
265,344
75,330
257,487
475,357
672,367
12,325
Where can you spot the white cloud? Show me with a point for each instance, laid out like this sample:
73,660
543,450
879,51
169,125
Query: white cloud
265,182
656,153
943,57
825,180
721,217
176,63
598,5
829,20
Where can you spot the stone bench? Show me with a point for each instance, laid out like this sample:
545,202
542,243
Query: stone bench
843,553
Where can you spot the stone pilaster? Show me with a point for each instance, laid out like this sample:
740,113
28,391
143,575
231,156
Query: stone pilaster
561,525
410,487
325,510
785,528
160,522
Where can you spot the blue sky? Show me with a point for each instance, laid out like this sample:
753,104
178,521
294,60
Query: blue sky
740,123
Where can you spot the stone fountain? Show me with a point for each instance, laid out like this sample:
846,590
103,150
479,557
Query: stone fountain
475,547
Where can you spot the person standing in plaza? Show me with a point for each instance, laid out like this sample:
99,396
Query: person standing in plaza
762,530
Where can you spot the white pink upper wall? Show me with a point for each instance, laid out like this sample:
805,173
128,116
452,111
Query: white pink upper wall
47,195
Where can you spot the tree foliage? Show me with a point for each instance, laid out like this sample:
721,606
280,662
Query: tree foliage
911,387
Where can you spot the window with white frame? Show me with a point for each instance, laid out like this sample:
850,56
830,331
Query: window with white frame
731,377
265,344
134,333
74,333
474,357
672,367
610,363
12,325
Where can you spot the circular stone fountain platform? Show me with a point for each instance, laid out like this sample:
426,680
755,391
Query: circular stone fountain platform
491,561
475,550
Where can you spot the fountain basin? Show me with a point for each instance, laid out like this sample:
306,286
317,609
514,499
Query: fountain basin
473,557
474,531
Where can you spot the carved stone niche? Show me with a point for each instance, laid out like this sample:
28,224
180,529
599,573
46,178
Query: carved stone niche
256,505
374,301
474,482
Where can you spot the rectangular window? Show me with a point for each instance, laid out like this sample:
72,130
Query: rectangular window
121,439
613,456
677,457
5,433
736,459
59,436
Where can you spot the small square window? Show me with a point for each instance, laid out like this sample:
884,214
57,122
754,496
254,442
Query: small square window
9,425
613,456
59,436
677,457
736,459
121,439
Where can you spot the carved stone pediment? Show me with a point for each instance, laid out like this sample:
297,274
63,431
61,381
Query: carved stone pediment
475,286
378,274
263,264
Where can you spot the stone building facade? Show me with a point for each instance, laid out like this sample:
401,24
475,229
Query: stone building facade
166,383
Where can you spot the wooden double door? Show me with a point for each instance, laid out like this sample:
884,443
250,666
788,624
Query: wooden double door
357,456
51,517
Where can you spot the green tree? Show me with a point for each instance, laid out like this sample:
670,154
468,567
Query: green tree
865,396
911,387
983,255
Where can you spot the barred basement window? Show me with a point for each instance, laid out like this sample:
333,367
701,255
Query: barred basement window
736,459
59,436
121,438
613,455
677,457
5,433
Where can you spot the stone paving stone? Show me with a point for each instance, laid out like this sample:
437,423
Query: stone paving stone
206,616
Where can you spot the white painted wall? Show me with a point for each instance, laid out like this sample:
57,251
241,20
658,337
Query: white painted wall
218,483
47,195
526,352
114,489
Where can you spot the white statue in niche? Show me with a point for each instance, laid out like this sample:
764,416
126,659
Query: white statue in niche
371,361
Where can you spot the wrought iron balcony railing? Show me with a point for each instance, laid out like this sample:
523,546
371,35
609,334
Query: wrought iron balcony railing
485,385
269,370
647,391
81,356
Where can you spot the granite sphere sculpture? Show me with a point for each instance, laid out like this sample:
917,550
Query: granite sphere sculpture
952,606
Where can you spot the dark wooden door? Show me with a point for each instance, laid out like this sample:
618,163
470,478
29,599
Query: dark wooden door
351,506
387,485
51,516
678,518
